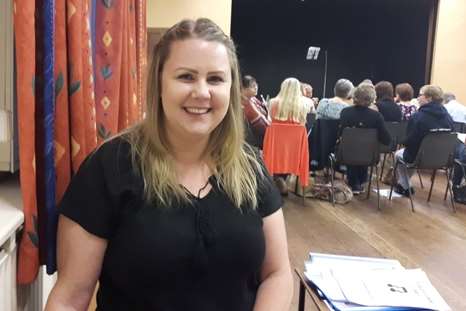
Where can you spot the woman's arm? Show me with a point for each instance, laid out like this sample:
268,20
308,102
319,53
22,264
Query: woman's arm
276,288
80,256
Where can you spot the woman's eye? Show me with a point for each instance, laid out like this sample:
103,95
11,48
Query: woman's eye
215,79
186,77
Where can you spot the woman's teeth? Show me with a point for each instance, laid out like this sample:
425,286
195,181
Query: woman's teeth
197,110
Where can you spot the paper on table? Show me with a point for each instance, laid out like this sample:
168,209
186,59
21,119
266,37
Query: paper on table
351,262
461,137
321,269
398,288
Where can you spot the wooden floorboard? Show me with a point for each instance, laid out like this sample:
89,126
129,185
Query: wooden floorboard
433,238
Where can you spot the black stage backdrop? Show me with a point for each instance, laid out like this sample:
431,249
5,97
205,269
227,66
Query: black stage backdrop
375,39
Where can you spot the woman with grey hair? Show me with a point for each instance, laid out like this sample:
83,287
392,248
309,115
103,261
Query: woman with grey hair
361,116
330,108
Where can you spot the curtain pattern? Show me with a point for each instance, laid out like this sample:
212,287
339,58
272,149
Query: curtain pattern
116,49
71,95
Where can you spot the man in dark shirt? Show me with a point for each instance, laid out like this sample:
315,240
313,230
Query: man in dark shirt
390,111
431,115
361,116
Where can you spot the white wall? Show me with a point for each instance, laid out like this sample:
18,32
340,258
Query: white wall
165,13
449,61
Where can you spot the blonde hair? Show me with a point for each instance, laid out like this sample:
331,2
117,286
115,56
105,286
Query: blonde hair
290,106
236,165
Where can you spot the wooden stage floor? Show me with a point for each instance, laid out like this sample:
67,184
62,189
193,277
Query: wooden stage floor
433,238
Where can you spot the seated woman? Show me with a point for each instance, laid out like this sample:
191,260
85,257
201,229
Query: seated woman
361,116
307,91
288,107
386,105
330,108
404,96
255,112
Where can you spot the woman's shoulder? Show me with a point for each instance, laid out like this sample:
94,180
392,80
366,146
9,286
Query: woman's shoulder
116,148
112,159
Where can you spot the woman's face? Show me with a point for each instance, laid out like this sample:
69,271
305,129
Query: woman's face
196,83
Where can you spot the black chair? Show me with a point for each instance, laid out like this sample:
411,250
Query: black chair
395,129
310,120
459,127
321,142
435,153
403,132
359,146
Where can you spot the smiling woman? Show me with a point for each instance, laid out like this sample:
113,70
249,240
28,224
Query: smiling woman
178,212
196,83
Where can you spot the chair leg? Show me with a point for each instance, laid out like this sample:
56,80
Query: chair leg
302,295
411,199
378,188
420,179
370,182
448,183
432,180
304,196
383,166
449,187
332,176
395,178
296,185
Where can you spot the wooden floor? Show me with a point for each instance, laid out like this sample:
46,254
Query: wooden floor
433,238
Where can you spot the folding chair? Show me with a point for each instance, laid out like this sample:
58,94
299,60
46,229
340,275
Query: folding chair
360,146
322,141
286,151
435,153
459,127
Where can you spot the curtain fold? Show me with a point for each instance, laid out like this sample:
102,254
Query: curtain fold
63,84
24,24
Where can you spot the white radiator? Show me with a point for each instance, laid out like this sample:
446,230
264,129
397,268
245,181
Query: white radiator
8,275
33,297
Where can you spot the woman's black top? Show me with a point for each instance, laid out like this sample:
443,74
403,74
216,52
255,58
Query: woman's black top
389,110
364,117
205,256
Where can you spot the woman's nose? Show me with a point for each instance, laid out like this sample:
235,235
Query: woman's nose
201,90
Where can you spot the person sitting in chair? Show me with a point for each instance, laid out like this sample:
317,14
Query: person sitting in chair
361,116
255,112
431,115
288,107
330,108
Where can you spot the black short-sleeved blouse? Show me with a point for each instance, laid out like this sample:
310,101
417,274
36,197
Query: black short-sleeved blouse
202,257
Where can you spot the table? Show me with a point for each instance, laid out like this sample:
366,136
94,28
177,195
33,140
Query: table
305,289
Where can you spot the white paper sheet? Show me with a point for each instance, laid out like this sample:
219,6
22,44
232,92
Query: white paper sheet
398,288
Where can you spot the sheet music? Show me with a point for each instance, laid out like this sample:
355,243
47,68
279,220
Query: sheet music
351,283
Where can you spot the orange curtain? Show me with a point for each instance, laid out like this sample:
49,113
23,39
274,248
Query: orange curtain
24,24
85,77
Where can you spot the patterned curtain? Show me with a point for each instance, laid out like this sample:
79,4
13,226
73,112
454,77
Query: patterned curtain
80,79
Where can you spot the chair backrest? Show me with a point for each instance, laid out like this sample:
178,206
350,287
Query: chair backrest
310,120
394,129
358,146
459,127
322,141
437,150
286,150
402,132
